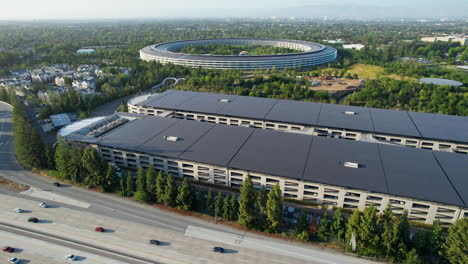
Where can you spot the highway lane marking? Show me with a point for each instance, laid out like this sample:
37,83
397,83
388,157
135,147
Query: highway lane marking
204,233
42,246
154,221
109,243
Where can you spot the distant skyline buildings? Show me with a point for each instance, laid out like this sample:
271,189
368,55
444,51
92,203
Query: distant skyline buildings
108,9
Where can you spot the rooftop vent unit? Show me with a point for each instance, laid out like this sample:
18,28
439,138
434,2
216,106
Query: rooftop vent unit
350,113
225,100
353,165
172,138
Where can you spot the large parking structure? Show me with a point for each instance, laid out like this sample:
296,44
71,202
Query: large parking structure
430,185
311,54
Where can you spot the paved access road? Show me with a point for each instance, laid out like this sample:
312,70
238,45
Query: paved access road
125,210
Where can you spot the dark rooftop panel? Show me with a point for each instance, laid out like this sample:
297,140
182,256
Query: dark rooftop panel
295,112
173,100
393,122
326,164
335,116
218,146
188,133
134,133
415,173
248,107
207,103
274,153
456,168
445,127
155,97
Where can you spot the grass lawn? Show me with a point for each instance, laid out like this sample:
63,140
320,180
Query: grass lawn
365,71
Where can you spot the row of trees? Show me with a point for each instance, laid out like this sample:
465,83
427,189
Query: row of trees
412,96
388,236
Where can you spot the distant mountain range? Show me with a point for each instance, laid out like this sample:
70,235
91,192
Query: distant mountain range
333,11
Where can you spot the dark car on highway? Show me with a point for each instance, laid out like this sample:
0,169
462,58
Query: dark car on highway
154,242
33,220
8,249
218,249
57,184
99,229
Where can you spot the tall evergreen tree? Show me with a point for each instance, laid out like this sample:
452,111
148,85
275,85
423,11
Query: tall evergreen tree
210,202
123,185
274,209
234,208
437,237
150,179
368,236
141,180
455,248
92,166
49,157
169,191
338,225
160,187
219,205
302,222
130,184
352,227
74,166
184,199
386,231
412,258
227,209
61,159
323,231
246,204
109,179
260,204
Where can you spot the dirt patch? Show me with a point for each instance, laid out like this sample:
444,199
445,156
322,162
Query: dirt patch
12,186
337,85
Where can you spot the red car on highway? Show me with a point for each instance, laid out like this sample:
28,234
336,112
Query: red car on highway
8,249
99,229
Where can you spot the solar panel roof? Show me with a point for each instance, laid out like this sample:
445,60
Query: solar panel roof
173,99
401,171
393,122
187,132
416,173
273,152
210,103
60,120
131,135
245,106
295,111
218,146
455,167
431,126
326,164
335,116
443,127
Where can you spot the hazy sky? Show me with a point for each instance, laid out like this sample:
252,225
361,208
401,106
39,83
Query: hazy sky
51,9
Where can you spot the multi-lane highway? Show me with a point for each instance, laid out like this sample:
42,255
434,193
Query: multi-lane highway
111,206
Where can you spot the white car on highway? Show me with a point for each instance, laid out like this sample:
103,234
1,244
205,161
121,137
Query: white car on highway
18,210
43,205
71,257
13,260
